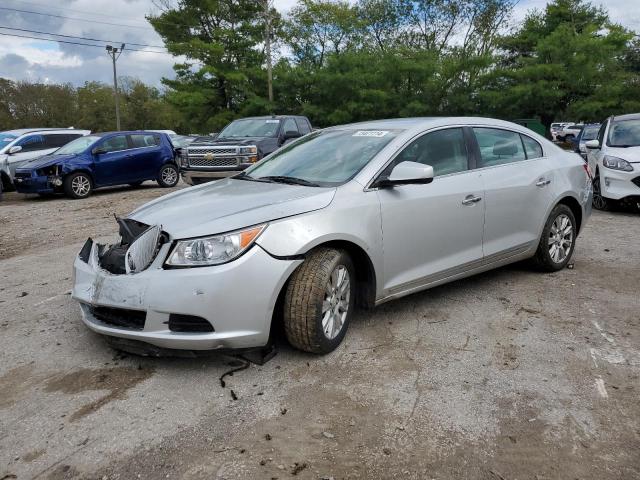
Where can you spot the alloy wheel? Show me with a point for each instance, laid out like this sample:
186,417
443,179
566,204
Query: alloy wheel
336,302
169,176
560,238
599,201
81,185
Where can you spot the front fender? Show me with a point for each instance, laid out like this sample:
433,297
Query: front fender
353,218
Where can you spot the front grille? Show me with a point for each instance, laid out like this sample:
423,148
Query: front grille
23,175
188,323
120,317
636,181
213,162
213,150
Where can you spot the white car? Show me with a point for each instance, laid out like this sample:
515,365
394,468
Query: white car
556,129
569,132
614,159
19,146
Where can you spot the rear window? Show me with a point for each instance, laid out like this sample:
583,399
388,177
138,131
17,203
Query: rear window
531,147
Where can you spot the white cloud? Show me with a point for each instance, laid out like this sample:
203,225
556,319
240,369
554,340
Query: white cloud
22,58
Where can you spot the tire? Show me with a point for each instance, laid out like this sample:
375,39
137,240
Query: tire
168,175
316,312
78,185
558,240
599,202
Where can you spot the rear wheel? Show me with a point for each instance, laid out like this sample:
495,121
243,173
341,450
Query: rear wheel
168,176
558,240
319,301
78,185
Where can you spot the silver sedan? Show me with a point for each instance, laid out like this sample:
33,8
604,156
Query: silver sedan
349,216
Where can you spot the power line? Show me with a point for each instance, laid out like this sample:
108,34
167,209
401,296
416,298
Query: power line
75,43
101,15
72,18
79,38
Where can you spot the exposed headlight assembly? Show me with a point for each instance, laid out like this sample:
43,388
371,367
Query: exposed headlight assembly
252,150
616,163
198,252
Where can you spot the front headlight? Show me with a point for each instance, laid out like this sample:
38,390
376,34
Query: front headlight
252,150
213,250
616,163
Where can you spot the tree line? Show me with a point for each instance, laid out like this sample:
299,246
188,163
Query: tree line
338,62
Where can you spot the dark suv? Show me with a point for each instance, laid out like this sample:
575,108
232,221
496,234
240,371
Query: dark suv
240,144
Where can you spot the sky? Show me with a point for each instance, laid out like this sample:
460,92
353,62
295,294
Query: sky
53,62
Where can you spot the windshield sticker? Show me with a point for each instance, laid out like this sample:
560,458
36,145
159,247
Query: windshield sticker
271,121
370,133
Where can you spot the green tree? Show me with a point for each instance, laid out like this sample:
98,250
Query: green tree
220,40
562,62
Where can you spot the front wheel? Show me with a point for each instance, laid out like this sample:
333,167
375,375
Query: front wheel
168,176
319,301
558,240
78,185
599,202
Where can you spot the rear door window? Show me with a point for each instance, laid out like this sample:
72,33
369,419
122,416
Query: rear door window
498,147
303,126
57,140
144,140
115,144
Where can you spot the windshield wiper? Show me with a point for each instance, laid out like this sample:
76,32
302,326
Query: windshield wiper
624,146
288,180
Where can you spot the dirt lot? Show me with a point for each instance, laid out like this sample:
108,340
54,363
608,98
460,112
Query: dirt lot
507,375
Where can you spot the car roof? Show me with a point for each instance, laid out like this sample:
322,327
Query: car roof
22,131
628,116
270,117
429,122
127,132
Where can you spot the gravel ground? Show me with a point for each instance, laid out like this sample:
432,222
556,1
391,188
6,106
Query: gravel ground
507,375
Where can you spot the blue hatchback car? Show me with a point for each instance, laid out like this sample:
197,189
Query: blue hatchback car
100,160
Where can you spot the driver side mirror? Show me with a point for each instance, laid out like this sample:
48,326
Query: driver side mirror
289,134
98,151
15,149
407,173
592,144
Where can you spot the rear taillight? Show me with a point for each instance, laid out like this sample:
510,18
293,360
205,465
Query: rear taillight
588,170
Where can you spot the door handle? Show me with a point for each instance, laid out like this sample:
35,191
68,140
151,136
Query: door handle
543,182
470,200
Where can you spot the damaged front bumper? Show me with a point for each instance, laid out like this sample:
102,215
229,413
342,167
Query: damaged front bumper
204,308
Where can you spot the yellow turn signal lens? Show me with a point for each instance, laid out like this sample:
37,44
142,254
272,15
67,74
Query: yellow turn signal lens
249,236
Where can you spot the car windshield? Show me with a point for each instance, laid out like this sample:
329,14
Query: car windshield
590,133
251,128
624,133
78,145
323,158
6,140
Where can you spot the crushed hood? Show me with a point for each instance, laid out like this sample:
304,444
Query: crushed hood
44,161
228,205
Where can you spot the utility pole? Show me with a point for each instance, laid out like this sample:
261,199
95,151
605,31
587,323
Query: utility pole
115,53
267,44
